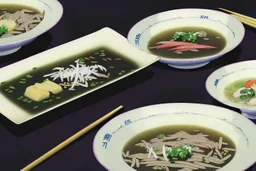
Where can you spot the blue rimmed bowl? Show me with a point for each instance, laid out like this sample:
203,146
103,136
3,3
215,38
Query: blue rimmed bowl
231,29
218,83
52,10
111,139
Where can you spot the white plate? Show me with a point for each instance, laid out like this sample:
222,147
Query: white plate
105,37
231,28
113,136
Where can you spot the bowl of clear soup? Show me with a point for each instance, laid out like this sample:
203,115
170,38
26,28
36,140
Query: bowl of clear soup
187,38
177,137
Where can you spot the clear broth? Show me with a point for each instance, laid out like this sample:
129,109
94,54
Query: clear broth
215,39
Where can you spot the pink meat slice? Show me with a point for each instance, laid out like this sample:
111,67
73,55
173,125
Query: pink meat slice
184,49
192,47
173,44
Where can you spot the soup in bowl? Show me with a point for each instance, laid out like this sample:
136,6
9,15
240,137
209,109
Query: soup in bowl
235,85
178,136
187,38
21,22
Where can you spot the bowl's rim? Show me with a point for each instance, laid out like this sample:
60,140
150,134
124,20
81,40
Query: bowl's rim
27,35
159,104
203,58
230,104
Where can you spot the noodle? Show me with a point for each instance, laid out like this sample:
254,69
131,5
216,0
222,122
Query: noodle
204,153
25,19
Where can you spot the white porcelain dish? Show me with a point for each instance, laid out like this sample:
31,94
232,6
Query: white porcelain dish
221,78
112,137
231,28
53,12
18,112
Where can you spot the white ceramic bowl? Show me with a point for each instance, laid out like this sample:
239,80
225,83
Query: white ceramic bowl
219,79
113,136
232,29
53,11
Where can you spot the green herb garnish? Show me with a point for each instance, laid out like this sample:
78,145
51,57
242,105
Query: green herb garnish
25,100
239,85
81,61
157,168
4,17
29,76
160,136
185,37
35,107
3,30
203,159
178,152
247,93
156,150
11,87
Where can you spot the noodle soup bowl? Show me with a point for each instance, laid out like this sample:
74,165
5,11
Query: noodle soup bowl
219,80
143,32
52,11
112,138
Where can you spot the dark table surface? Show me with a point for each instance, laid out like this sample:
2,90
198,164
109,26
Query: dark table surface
20,145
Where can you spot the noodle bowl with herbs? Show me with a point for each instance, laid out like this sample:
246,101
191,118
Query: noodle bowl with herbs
15,20
179,148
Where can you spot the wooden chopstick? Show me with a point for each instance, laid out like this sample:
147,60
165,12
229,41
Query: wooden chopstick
245,21
243,18
70,140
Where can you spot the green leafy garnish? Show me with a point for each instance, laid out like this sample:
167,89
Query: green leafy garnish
81,61
4,17
160,136
178,152
35,107
157,168
3,30
247,93
185,37
156,150
11,87
203,159
239,85
29,76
